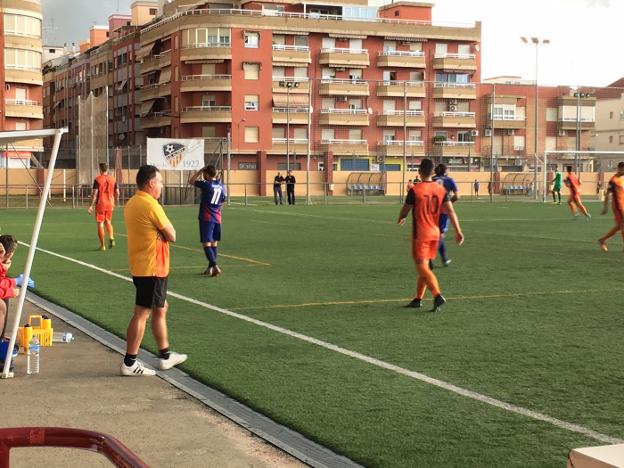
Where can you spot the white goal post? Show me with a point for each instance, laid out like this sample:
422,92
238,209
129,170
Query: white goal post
7,138
602,161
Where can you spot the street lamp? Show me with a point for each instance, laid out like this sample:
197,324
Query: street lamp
288,85
537,42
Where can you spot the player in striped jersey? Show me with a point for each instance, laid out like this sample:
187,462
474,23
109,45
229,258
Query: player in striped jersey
616,190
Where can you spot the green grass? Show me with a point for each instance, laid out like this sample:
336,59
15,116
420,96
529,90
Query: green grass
534,319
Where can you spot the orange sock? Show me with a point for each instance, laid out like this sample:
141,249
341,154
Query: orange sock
101,233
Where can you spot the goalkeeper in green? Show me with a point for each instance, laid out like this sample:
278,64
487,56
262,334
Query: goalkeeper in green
557,186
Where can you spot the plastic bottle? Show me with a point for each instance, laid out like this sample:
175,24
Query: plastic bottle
32,359
63,337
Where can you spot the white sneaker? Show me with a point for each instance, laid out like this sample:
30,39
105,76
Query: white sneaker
136,370
174,360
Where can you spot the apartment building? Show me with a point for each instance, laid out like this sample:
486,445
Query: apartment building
350,84
609,132
20,78
507,127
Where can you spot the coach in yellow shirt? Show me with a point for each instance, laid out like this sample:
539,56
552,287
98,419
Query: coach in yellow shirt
149,233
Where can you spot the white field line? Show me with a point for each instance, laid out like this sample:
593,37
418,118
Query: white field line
375,362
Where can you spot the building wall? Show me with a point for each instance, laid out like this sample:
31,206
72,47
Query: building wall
143,12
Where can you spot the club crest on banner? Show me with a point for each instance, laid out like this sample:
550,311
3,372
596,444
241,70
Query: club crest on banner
176,154
173,153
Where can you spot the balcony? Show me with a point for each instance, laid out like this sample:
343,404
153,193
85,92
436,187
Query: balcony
191,83
332,87
283,115
150,92
298,86
453,148
156,62
399,88
23,75
395,118
23,108
345,147
395,148
454,91
352,117
212,51
401,59
455,120
290,145
156,119
455,62
507,121
206,114
353,58
290,54
35,145
214,144
570,123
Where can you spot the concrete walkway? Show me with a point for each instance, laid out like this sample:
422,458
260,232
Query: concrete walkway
79,387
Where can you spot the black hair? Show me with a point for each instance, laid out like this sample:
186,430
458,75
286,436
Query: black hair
9,242
145,174
440,169
569,168
210,171
103,167
426,167
621,165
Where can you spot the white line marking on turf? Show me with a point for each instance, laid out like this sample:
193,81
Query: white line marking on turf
375,362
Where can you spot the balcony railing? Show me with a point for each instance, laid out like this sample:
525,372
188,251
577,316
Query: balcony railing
339,50
345,111
208,108
334,141
402,53
413,113
205,45
21,102
291,47
291,79
291,110
400,143
580,119
455,56
284,14
455,114
13,32
293,141
356,81
454,143
513,118
454,85
400,83
206,77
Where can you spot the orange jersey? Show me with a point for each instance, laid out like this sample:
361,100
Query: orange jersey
573,183
106,186
616,187
426,199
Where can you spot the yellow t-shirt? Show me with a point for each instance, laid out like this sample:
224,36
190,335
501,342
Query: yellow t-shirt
148,255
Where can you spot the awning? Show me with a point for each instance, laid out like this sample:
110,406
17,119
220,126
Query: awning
290,64
293,100
292,33
405,38
146,107
120,86
165,76
17,154
145,51
347,36
351,65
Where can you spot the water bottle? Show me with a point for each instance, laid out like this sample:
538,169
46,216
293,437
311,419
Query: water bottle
32,359
63,337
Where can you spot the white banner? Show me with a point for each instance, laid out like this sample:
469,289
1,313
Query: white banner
175,154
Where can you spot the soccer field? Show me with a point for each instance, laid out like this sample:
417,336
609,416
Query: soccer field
522,364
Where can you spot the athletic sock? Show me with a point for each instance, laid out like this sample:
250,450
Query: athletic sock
442,250
212,261
214,252
130,359
164,353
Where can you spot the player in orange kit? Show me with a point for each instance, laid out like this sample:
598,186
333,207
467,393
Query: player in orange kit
616,189
574,200
427,200
105,192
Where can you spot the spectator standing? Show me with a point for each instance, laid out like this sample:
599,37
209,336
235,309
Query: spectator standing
277,188
475,185
290,187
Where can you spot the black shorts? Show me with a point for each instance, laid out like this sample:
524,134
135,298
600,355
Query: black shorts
151,291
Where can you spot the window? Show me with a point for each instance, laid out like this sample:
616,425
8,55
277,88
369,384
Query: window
301,133
551,114
251,39
621,139
278,133
389,105
355,103
251,134
518,143
22,25
355,74
328,43
208,100
389,46
202,37
327,134
20,125
355,134
251,102
414,105
388,135
153,11
441,50
611,115
22,59
328,73
279,39
208,132
415,47
354,164
464,136
247,166
301,72
610,138
463,49
301,41
414,135
389,167
461,78
355,44
251,70
279,72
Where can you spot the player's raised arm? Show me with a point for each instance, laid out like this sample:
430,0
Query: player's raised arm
195,176
447,208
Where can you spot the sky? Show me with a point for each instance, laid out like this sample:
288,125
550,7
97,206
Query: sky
584,34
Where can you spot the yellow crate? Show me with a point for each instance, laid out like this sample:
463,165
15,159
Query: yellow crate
42,330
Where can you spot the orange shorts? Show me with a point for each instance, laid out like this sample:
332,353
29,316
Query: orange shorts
424,250
103,216
575,198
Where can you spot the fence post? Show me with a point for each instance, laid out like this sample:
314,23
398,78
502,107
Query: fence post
245,188
73,196
26,191
325,187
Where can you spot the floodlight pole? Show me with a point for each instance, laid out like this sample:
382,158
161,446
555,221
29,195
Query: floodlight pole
32,248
